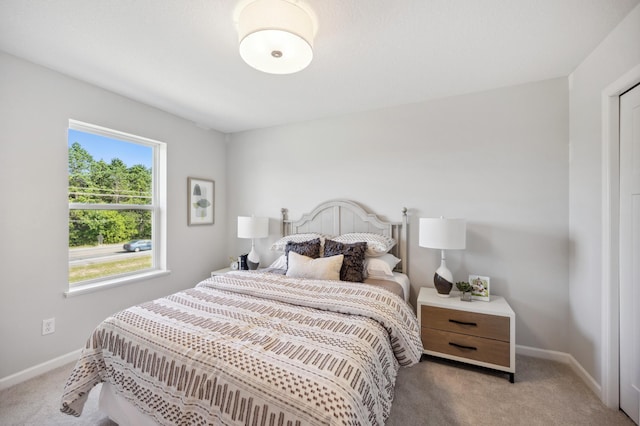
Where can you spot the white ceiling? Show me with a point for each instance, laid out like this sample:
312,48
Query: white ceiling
182,55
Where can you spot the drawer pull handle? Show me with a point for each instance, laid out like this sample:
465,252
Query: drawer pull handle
463,323
463,346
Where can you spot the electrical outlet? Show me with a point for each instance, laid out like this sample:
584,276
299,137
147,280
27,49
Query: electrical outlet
48,326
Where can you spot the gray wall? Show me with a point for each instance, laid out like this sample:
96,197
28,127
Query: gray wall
616,55
497,158
35,106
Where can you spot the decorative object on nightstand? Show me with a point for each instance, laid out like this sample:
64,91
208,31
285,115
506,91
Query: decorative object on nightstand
443,234
480,287
253,227
242,262
465,290
481,334
234,265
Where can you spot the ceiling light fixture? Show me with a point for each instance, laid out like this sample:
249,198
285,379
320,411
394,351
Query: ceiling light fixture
276,36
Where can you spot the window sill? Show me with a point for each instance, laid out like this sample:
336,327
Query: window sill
116,282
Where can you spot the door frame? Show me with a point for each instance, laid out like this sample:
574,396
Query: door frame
610,341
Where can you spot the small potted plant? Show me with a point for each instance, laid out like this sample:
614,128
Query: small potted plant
465,288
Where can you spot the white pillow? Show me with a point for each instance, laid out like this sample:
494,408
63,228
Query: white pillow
322,268
377,244
279,263
380,266
281,244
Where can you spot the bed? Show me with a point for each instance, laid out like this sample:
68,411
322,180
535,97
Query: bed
262,347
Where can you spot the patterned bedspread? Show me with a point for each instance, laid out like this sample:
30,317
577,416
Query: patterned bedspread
254,348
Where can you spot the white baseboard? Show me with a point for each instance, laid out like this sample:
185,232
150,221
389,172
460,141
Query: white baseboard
36,370
564,358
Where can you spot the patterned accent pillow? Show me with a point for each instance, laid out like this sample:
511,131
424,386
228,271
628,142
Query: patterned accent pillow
306,248
377,244
281,244
353,263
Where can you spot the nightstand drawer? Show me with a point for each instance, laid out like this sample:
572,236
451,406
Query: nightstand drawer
465,346
470,323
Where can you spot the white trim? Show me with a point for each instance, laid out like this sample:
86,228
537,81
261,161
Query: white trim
36,370
610,343
158,209
160,190
564,358
111,133
115,282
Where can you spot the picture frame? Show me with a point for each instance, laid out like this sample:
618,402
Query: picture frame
480,286
200,201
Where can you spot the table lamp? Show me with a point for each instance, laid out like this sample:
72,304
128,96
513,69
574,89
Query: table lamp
253,227
443,234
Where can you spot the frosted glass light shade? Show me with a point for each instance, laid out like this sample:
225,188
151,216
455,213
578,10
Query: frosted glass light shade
253,227
442,233
276,36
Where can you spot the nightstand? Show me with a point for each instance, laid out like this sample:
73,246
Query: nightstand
479,333
220,271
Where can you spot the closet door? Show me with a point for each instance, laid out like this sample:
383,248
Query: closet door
630,253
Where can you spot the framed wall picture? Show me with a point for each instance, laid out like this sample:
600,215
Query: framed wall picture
200,201
480,287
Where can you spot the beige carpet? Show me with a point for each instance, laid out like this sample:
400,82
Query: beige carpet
434,392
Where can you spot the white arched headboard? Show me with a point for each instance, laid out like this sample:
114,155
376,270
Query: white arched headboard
337,217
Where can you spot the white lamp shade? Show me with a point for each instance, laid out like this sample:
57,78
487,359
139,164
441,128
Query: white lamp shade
276,36
253,227
442,233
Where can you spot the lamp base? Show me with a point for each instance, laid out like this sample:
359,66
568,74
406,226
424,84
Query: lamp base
253,260
443,286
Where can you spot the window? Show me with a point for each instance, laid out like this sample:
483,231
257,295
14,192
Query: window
116,193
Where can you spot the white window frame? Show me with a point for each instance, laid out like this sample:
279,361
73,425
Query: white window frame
158,208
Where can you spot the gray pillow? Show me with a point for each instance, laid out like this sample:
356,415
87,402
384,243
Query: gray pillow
353,263
306,248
